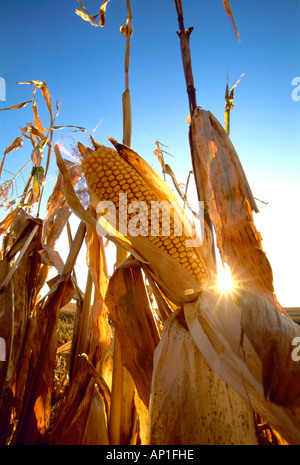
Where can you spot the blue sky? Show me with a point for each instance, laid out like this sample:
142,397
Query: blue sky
84,66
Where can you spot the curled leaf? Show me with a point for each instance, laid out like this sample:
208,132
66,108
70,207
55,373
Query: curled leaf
44,89
16,144
19,105
86,15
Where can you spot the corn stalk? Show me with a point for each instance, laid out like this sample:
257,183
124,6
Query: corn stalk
184,36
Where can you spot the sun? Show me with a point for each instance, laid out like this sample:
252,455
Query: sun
225,282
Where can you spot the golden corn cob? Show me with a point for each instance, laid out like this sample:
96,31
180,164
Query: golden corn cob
108,175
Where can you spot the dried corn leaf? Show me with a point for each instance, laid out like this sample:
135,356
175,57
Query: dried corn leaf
21,313
21,373
225,190
44,89
130,312
248,343
58,211
6,325
230,14
142,417
16,144
69,291
96,261
35,420
36,411
23,226
71,419
190,404
51,258
37,120
18,105
86,16
96,427
8,221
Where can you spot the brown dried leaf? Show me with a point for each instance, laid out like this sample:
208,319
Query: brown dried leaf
44,89
37,120
102,12
86,15
6,324
130,312
36,411
96,262
58,211
51,258
70,194
23,226
19,105
230,14
96,427
16,144
68,294
71,420
8,221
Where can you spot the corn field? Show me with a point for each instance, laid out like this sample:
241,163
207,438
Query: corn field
155,353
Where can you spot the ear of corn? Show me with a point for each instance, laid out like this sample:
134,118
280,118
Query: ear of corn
173,263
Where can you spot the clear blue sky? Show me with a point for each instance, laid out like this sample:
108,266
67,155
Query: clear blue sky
84,66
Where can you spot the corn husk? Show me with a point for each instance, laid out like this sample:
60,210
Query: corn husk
248,343
190,404
224,188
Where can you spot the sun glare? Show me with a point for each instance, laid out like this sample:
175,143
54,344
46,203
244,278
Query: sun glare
225,283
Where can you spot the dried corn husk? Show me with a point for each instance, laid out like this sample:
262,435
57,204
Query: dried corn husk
190,404
223,187
248,343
